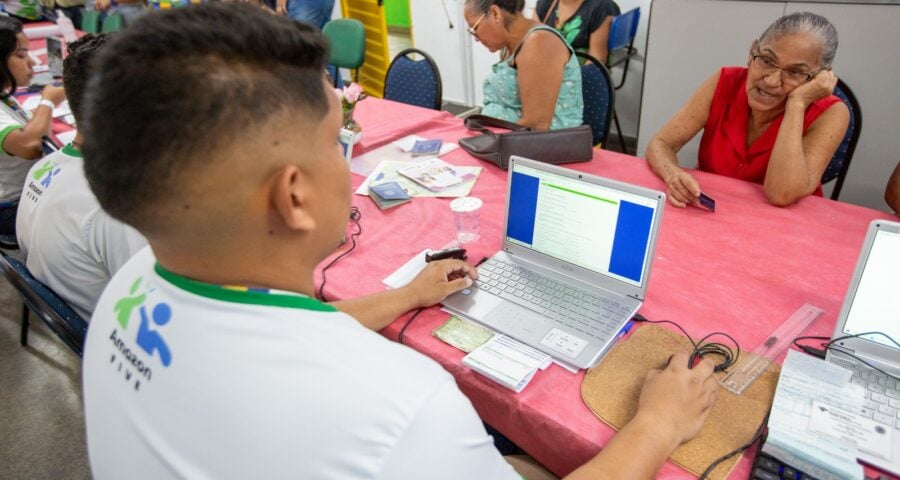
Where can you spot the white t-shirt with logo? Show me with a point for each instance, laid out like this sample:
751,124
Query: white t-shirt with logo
12,168
184,379
69,242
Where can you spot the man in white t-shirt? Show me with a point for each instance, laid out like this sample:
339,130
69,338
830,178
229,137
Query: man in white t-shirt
70,243
207,356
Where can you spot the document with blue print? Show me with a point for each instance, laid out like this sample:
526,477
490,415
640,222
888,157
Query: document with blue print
803,439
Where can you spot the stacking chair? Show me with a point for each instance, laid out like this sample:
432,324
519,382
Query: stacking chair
348,44
599,97
90,21
840,163
621,49
112,23
46,304
621,41
414,82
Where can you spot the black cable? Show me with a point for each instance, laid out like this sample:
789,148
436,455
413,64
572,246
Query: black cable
810,350
413,317
701,349
355,217
756,436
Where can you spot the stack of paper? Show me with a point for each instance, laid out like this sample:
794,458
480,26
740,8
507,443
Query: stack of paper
507,362
813,417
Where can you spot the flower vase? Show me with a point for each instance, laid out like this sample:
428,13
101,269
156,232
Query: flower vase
349,122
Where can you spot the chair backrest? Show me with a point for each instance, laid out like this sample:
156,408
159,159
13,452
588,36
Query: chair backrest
348,42
599,97
840,162
90,21
112,23
46,304
624,29
414,82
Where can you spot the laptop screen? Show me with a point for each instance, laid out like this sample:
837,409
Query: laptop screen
595,227
875,306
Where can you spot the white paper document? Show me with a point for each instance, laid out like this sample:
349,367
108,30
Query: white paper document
804,436
507,362
32,103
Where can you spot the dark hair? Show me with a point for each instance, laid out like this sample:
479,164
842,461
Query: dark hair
9,28
511,6
173,87
77,68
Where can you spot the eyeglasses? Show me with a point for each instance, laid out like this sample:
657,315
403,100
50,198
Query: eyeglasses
790,76
473,29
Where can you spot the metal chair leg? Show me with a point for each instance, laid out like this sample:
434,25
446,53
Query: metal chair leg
619,133
23,337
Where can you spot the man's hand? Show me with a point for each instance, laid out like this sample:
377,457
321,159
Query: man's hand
440,279
678,399
682,188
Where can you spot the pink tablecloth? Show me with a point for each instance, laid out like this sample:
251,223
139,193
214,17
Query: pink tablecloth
742,270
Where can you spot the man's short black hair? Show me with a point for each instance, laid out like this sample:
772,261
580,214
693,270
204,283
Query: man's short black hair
77,68
178,82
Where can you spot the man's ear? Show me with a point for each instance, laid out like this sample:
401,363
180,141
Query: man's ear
290,195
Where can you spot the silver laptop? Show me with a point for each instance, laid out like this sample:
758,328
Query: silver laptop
873,305
576,258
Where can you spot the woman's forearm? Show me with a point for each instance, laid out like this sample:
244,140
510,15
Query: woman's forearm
788,176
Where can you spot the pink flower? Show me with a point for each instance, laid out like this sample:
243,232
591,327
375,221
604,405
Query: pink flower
339,93
353,93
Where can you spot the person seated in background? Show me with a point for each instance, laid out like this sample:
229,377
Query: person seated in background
537,82
583,23
892,192
130,10
775,122
21,132
69,243
195,379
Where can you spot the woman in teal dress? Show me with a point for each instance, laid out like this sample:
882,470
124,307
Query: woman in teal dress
537,82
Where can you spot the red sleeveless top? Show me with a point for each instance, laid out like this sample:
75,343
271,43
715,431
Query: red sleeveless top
723,147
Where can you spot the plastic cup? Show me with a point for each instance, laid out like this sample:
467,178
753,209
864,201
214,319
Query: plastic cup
467,217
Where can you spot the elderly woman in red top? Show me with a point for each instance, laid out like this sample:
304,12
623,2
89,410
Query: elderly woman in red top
775,122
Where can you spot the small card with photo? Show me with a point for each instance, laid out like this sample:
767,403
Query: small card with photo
426,147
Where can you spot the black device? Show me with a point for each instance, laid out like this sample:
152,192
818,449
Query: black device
767,467
455,252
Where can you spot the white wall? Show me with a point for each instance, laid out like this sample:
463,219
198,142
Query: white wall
689,39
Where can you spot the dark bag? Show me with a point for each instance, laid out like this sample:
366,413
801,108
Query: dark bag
567,145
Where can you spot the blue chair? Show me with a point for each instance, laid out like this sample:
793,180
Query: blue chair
621,41
46,304
840,163
621,49
599,97
414,82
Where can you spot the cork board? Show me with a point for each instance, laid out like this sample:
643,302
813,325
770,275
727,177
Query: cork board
612,388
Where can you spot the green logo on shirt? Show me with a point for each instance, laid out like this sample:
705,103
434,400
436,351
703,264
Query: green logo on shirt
148,338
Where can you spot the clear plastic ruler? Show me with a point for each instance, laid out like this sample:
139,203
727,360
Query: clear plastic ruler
774,345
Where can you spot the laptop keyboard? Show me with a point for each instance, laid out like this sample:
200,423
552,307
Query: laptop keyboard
882,402
589,314
770,468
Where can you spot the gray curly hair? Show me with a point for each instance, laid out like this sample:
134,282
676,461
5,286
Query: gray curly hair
809,23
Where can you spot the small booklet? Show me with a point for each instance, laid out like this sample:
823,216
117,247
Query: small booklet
426,147
388,195
463,334
506,361
435,174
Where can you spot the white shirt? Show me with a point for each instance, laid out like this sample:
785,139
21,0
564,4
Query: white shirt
184,379
12,168
69,242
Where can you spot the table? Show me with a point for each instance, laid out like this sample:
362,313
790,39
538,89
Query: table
57,126
742,270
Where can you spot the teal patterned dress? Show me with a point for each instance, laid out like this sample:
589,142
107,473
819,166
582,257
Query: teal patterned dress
501,91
